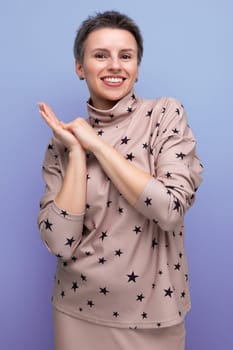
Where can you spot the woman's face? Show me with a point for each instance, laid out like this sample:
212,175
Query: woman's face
109,66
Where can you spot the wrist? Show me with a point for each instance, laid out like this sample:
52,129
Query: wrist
76,152
99,148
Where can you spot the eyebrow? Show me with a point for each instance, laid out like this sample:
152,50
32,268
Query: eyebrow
122,50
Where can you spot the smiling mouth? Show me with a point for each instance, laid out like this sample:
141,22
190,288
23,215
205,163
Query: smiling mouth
113,79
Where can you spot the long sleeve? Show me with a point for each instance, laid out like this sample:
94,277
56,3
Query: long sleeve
61,231
171,192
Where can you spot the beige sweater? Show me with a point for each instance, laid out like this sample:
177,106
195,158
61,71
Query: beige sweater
119,265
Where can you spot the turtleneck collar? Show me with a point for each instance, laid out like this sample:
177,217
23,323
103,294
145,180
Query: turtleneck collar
119,111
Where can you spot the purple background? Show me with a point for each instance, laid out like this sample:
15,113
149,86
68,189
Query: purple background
188,55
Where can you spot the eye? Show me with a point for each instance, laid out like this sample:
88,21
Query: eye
126,56
100,55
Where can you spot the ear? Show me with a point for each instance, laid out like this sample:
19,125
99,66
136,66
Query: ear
79,70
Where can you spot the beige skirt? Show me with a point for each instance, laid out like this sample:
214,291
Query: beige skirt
73,334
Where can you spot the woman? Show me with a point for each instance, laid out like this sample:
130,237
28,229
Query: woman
117,187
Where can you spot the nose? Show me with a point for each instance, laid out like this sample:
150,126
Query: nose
115,64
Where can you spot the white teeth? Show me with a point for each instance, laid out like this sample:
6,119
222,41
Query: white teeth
113,80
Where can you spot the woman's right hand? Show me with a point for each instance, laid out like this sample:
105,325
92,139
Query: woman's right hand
64,135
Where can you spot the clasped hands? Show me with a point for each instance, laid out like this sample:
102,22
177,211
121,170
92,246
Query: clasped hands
78,133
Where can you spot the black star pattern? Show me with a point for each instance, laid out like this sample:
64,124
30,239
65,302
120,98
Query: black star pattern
104,291
74,286
132,277
111,115
177,266
168,292
74,258
168,175
103,235
64,213
153,285
180,255
133,96
154,243
137,229
178,111
186,277
50,146
96,121
48,225
163,110
129,109
100,132
125,140
120,210
90,303
88,206
176,205
158,324
180,155
140,297
145,145
102,260
62,294
130,156
83,277
148,114
88,177
148,201
144,315
109,203
118,252
182,295
175,131
115,314
160,272
70,241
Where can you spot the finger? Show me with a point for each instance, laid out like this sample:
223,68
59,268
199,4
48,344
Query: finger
53,124
48,111
48,116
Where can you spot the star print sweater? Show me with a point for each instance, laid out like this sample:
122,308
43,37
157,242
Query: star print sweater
120,265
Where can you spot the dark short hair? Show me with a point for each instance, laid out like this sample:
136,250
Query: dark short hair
107,19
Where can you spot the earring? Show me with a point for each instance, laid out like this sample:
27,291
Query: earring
136,80
81,78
